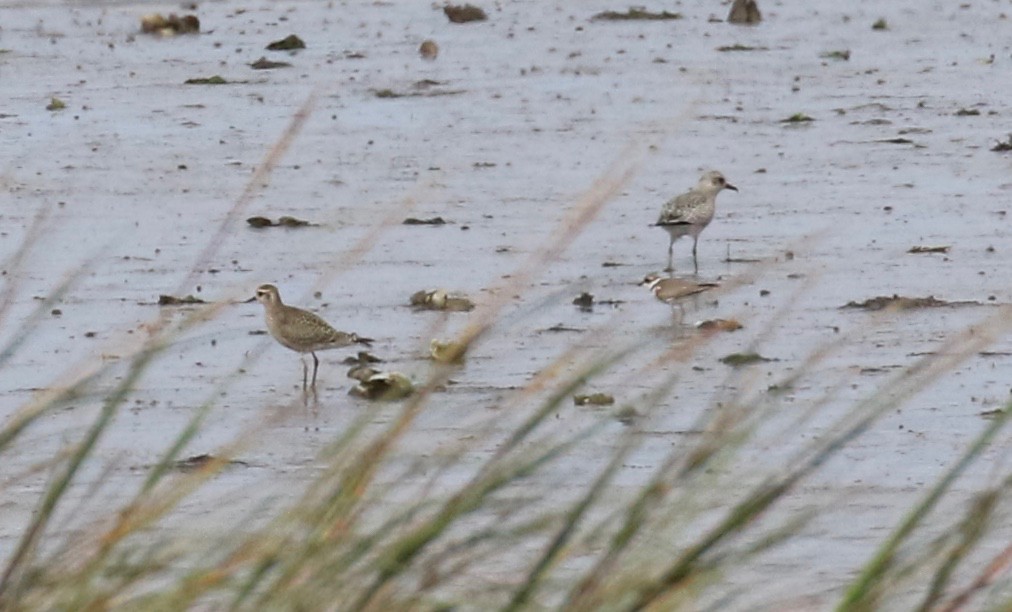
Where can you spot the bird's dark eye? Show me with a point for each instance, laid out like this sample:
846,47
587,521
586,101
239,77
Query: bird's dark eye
719,180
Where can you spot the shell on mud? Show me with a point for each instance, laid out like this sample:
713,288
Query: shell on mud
383,386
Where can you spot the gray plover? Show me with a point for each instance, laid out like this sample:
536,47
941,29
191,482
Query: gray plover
301,330
689,213
671,290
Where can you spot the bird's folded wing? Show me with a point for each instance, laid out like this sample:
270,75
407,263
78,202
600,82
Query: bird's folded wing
680,210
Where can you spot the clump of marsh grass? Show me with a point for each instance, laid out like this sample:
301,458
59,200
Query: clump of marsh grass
502,533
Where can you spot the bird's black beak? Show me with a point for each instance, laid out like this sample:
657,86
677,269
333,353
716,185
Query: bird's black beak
251,300
730,186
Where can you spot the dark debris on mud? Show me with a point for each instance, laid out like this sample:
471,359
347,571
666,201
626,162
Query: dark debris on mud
559,327
929,249
843,55
211,80
736,360
171,300
586,302
719,325
196,462
261,222
899,302
798,118
429,221
737,47
265,64
1003,146
636,14
991,414
425,88
363,357
464,13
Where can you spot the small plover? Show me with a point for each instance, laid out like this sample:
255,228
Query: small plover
301,330
689,214
671,290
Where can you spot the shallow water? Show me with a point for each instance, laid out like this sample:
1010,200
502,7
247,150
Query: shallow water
138,173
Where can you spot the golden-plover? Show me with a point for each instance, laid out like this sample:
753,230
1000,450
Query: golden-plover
301,330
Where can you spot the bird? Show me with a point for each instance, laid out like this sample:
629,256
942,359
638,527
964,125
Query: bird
689,213
671,290
301,330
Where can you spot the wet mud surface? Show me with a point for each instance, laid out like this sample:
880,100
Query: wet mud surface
137,173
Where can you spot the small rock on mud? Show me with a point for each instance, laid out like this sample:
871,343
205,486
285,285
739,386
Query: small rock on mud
384,387
155,23
594,399
584,301
428,50
744,12
447,352
288,43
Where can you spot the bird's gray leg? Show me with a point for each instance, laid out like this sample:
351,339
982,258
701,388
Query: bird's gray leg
316,366
305,371
695,262
671,248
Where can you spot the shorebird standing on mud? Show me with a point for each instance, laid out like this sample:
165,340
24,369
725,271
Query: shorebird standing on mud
671,290
689,214
301,330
